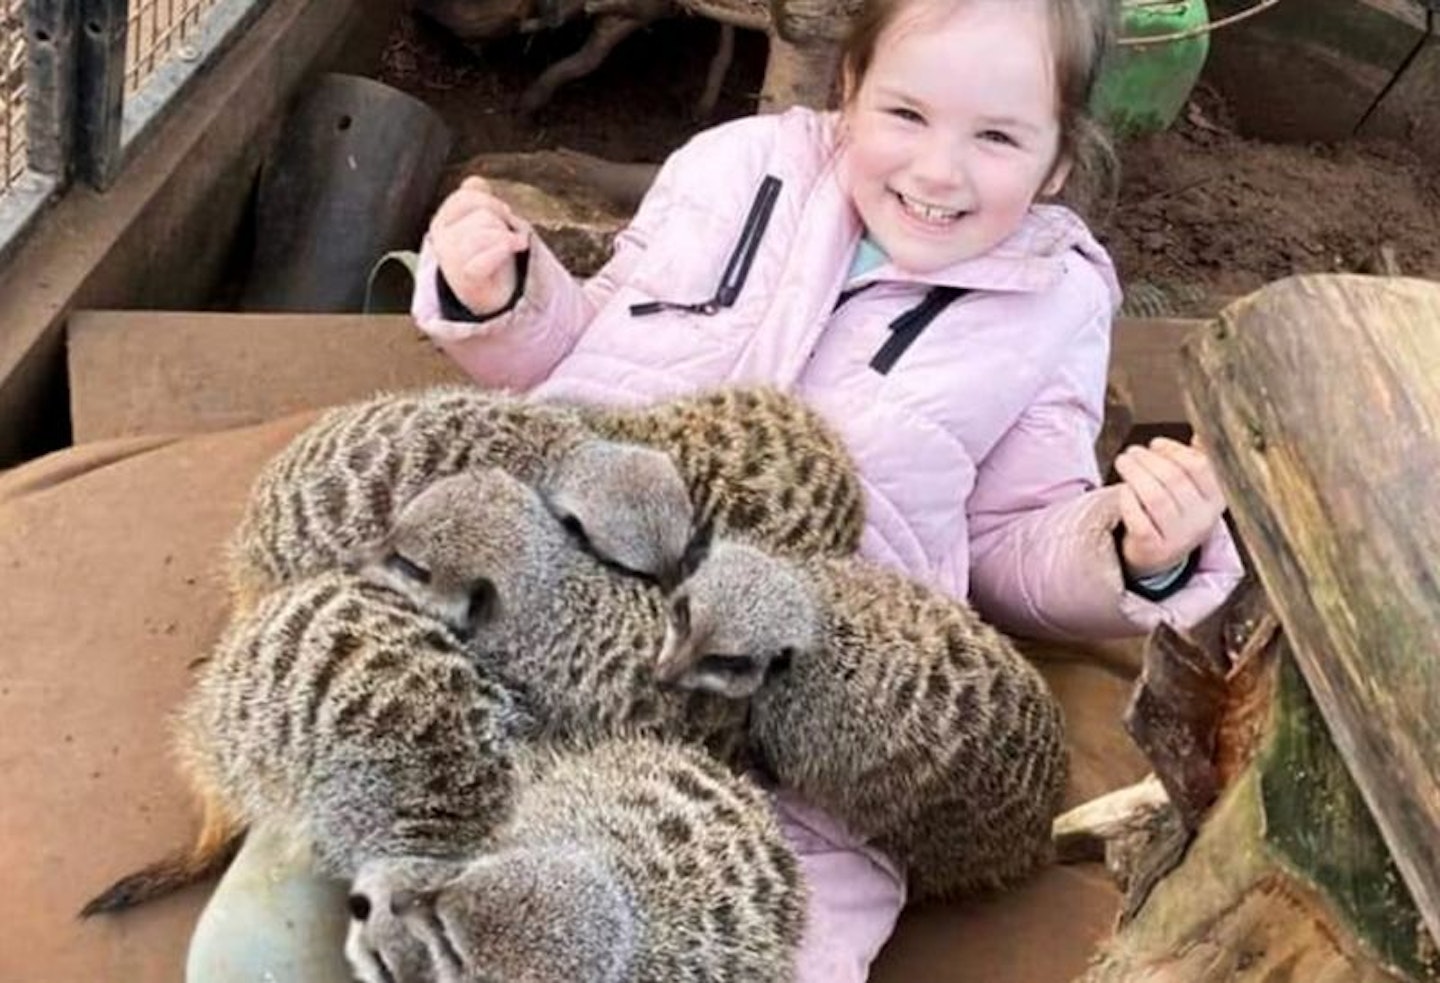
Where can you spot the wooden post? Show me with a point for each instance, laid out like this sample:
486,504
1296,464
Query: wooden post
1319,399
1288,880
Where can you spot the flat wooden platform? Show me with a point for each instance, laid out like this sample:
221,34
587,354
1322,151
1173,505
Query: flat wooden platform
145,372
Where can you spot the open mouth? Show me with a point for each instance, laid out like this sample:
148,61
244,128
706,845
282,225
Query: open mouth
932,215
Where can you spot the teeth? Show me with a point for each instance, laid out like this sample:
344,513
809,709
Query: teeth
929,213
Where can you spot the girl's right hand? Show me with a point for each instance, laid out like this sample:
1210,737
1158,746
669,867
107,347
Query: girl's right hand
476,237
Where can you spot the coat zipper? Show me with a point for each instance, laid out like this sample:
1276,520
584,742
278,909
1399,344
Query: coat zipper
908,326
737,267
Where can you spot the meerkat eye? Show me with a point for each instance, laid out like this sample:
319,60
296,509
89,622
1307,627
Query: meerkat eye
680,614
572,524
782,661
406,567
359,906
728,665
484,601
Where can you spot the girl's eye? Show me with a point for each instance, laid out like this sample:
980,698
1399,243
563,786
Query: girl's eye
906,114
1000,137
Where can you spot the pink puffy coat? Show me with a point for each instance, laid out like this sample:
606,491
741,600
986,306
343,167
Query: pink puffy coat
975,445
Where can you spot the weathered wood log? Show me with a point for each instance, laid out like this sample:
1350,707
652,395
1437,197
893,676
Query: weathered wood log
1319,399
1288,880
1173,717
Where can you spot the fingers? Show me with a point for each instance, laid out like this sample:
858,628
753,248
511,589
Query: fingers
1163,489
486,262
473,205
1170,499
1192,459
1138,524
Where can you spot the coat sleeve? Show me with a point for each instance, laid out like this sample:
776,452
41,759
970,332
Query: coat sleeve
520,348
1042,551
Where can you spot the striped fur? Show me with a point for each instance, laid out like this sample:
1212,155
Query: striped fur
339,714
760,465
633,862
330,496
904,715
577,639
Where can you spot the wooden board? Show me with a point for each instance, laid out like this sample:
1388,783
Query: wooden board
140,372
1319,398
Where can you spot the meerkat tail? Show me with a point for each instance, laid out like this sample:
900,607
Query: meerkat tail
218,842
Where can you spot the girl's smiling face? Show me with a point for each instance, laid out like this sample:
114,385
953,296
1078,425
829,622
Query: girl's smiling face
954,130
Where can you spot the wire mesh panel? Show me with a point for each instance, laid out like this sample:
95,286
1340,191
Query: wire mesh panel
161,30
12,92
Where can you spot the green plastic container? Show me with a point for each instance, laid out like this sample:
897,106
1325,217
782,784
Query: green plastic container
1142,88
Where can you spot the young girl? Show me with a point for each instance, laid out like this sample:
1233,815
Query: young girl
890,264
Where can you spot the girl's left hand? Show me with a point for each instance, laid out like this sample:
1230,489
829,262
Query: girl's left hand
1170,500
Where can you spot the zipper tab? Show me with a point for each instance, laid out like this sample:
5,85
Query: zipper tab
737,267
656,306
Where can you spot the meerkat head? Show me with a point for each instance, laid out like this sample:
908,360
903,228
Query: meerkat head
542,915
378,945
740,616
625,503
464,545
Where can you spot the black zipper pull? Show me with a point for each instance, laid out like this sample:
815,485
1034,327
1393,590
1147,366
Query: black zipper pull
656,306
907,327
737,268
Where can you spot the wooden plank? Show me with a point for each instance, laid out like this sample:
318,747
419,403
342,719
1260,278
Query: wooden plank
139,372
1145,361
143,372
1319,398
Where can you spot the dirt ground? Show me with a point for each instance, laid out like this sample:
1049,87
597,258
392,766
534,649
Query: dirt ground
1201,211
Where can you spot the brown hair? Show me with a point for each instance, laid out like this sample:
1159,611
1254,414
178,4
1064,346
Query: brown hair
1081,32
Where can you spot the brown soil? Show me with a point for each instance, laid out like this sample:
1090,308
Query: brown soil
1199,205
1200,212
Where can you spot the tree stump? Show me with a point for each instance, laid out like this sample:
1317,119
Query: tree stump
1288,879
1319,398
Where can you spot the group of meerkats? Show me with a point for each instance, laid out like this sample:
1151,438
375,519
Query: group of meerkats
514,670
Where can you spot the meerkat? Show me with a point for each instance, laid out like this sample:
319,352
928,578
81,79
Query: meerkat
333,492
898,710
635,861
576,640
350,719
760,464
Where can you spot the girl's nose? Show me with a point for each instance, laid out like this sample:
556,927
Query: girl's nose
940,165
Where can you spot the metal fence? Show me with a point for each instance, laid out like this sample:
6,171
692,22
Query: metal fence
81,80
158,31
12,89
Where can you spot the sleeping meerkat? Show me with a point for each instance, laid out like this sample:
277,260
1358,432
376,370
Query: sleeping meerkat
347,718
636,861
760,464
898,710
333,492
576,639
